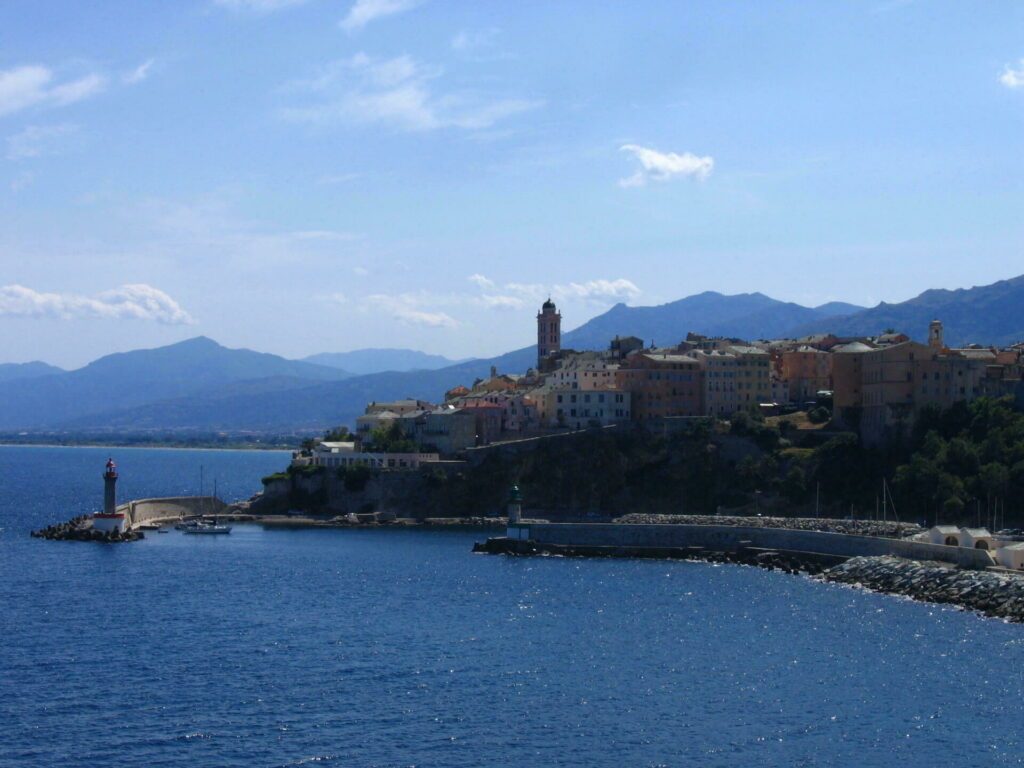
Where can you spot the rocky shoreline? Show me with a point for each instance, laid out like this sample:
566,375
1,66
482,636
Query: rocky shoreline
891,530
995,594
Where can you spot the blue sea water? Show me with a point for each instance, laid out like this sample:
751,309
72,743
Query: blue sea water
401,648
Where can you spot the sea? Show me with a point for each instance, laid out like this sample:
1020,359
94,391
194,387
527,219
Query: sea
403,648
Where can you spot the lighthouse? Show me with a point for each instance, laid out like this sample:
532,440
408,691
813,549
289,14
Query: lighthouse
109,519
515,513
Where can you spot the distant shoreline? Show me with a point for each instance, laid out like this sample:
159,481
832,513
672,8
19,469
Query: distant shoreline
150,446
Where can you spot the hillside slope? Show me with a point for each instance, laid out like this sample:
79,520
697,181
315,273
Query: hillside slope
130,379
988,314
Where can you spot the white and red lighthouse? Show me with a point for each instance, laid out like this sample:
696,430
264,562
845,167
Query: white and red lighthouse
109,519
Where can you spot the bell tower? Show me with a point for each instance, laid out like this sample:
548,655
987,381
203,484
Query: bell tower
935,340
549,331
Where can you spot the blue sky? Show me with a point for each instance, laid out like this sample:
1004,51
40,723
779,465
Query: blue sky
300,176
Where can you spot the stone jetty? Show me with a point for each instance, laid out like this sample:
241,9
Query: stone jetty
891,530
80,529
809,563
992,593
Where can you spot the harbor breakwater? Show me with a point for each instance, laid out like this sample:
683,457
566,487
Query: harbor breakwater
995,594
641,538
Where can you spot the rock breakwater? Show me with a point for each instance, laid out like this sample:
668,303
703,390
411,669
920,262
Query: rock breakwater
80,529
991,593
890,530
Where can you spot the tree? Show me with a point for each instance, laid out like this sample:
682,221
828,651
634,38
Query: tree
391,439
336,435
794,486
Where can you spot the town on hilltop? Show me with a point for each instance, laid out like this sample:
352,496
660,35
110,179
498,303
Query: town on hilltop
872,386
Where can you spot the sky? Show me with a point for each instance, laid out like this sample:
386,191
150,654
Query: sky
302,176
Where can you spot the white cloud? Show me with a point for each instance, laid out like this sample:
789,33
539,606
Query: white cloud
398,92
363,12
517,295
257,6
1013,78
33,86
662,166
128,302
599,290
138,74
479,45
38,140
481,282
406,308
532,291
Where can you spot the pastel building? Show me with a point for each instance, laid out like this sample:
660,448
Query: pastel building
662,384
807,370
580,408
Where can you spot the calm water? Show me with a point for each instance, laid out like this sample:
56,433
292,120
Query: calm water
389,648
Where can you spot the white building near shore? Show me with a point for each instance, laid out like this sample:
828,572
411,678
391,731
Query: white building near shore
345,455
1011,555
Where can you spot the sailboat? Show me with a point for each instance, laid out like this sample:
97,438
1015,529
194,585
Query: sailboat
204,527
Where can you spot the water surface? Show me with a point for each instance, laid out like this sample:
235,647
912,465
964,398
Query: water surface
401,648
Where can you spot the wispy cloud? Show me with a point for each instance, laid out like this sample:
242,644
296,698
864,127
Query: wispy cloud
138,74
363,12
663,166
599,290
399,92
516,295
479,45
34,85
128,302
38,140
407,309
1013,78
481,282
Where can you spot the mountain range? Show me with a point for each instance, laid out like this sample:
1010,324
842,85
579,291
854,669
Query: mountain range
361,362
200,386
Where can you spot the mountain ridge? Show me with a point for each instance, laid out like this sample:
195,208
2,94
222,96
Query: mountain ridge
287,394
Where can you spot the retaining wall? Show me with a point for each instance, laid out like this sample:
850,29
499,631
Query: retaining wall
726,538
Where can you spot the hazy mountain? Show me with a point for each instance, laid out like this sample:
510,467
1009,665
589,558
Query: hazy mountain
745,315
360,362
837,309
129,379
33,370
199,385
988,314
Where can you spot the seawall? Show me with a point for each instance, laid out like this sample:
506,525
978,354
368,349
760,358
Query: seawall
141,511
722,538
